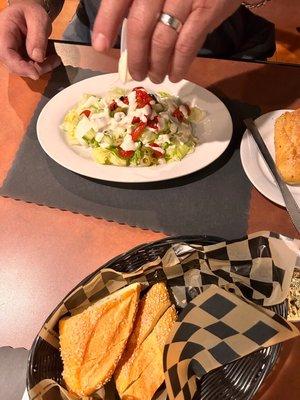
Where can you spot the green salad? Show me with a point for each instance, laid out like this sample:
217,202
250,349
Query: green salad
133,128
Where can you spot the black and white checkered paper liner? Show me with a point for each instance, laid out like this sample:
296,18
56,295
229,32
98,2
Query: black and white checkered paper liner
214,329
257,268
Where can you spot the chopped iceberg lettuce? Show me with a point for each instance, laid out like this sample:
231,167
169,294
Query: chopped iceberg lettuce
108,157
133,127
196,115
178,152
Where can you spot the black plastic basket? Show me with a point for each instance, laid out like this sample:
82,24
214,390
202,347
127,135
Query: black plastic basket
239,380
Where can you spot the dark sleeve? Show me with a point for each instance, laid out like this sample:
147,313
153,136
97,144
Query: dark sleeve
243,35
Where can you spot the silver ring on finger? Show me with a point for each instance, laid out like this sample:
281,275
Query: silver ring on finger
172,22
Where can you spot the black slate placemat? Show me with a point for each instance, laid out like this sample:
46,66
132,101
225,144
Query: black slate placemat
213,201
13,366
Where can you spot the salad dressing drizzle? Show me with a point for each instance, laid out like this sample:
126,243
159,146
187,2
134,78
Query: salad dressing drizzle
133,127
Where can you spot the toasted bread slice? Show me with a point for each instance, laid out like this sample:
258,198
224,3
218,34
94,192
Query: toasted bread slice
151,307
294,298
144,373
93,341
287,146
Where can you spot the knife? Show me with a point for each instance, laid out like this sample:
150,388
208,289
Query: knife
289,200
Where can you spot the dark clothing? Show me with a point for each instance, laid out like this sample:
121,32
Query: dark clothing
243,35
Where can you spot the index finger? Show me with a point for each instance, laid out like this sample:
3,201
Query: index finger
38,31
109,18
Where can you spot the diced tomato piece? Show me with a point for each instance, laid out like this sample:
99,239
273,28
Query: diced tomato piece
87,113
137,132
142,98
113,106
178,114
156,153
124,99
136,120
126,154
152,123
138,88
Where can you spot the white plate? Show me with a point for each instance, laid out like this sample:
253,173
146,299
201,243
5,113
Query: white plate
254,164
214,132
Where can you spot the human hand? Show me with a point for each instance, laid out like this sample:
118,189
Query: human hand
24,30
155,49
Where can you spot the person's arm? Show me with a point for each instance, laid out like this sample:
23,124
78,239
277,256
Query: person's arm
53,7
